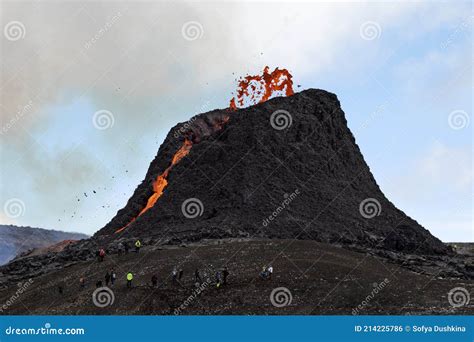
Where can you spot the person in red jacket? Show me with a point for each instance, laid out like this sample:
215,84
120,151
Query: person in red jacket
101,254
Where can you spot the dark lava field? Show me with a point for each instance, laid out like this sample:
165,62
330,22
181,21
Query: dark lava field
319,279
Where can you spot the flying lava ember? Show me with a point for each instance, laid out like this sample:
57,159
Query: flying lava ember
253,89
259,88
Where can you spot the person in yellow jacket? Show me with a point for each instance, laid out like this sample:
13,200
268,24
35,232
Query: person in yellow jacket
138,244
129,279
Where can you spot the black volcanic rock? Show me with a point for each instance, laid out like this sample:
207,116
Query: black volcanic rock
310,178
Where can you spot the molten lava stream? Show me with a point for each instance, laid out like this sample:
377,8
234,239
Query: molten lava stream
161,182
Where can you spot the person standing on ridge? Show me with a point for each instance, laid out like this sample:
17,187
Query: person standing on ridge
113,276
129,279
154,281
107,279
138,244
197,277
174,275
126,247
225,274
264,273
218,279
270,271
101,254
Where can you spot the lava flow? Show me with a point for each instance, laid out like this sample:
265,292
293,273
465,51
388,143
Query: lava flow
259,88
256,89
160,183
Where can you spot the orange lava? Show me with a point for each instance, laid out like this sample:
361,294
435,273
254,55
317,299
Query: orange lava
256,89
161,182
260,88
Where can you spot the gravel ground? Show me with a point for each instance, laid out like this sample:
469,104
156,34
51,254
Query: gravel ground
318,279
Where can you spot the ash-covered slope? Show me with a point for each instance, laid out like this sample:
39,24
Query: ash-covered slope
306,181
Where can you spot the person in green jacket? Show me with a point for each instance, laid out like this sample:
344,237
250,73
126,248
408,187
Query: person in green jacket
138,244
129,279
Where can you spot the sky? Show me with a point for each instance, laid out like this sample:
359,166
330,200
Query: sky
89,90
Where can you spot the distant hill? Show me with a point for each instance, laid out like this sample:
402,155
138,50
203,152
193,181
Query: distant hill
16,240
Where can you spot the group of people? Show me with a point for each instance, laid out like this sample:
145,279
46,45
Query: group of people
123,247
176,274
266,273
110,279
